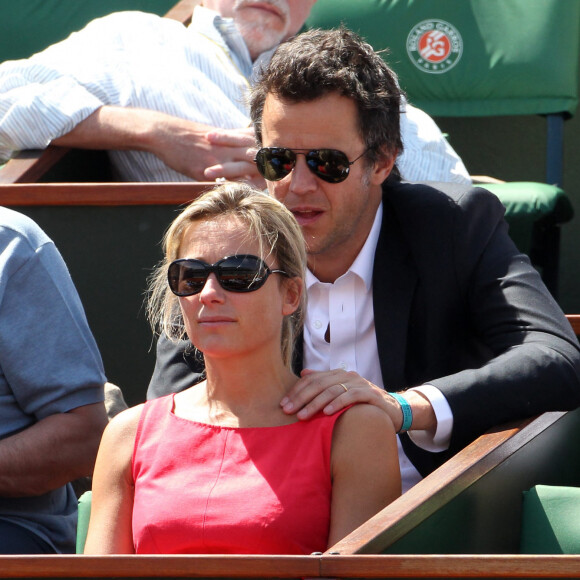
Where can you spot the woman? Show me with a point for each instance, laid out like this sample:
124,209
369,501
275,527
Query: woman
219,467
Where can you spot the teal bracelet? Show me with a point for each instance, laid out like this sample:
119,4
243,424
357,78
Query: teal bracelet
407,412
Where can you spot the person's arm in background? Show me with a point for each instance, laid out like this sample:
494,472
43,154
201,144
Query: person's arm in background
52,452
242,142
52,413
75,93
181,144
427,155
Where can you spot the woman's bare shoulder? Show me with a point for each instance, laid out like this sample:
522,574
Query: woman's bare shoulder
363,418
122,428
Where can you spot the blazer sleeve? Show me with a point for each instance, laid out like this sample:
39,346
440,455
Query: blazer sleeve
533,357
177,367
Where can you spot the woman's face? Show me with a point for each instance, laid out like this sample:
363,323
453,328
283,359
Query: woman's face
222,323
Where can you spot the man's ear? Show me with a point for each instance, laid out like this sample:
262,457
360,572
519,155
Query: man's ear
383,167
293,288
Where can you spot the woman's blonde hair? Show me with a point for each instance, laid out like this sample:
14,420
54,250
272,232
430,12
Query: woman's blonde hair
267,220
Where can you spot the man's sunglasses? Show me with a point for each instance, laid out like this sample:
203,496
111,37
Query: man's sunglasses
243,273
331,165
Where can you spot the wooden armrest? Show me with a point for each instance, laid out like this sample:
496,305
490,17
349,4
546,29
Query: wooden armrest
485,179
29,166
445,566
431,493
475,474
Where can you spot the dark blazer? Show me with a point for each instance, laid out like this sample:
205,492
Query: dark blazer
456,306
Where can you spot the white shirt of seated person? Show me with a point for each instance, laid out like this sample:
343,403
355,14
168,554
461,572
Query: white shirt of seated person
347,306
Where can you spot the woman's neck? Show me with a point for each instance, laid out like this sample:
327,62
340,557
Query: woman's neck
239,395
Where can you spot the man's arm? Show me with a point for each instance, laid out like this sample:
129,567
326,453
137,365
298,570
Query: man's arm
427,155
181,144
52,452
51,380
330,391
177,367
242,142
79,93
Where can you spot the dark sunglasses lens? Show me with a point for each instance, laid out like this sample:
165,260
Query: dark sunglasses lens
275,163
328,164
187,277
242,273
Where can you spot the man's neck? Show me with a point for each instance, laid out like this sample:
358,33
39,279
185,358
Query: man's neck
329,268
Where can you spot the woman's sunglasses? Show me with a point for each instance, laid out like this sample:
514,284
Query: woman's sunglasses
331,165
242,273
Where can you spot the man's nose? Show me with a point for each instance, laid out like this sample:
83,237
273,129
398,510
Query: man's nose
302,179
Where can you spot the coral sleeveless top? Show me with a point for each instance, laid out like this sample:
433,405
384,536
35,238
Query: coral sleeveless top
209,489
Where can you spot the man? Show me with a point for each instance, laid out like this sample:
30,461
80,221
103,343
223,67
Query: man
168,101
411,289
51,393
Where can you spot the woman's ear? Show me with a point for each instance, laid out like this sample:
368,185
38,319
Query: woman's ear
293,288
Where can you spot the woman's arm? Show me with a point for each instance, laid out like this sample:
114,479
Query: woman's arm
365,468
110,530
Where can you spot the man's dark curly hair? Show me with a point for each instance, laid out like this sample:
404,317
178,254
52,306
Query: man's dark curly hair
318,62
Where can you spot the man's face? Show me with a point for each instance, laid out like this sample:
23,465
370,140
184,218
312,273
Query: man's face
264,24
335,218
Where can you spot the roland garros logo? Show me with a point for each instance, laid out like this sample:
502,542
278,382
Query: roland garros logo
434,46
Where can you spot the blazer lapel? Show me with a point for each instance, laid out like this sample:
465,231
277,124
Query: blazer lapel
394,284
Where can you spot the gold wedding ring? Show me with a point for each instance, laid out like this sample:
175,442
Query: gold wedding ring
344,387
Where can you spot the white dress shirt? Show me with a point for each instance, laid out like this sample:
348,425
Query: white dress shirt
200,73
347,306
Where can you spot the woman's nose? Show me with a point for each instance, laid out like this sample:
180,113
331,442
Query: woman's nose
212,289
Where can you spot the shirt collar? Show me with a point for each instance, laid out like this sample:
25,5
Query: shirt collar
364,262
223,32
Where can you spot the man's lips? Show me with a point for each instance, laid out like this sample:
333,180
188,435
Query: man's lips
305,216
266,7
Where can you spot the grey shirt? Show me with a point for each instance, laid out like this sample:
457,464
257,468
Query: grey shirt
49,361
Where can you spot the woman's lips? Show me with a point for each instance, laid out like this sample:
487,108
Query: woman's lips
215,320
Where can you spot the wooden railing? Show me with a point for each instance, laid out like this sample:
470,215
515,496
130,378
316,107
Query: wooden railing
324,566
101,194
574,320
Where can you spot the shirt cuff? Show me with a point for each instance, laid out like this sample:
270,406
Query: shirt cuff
440,440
